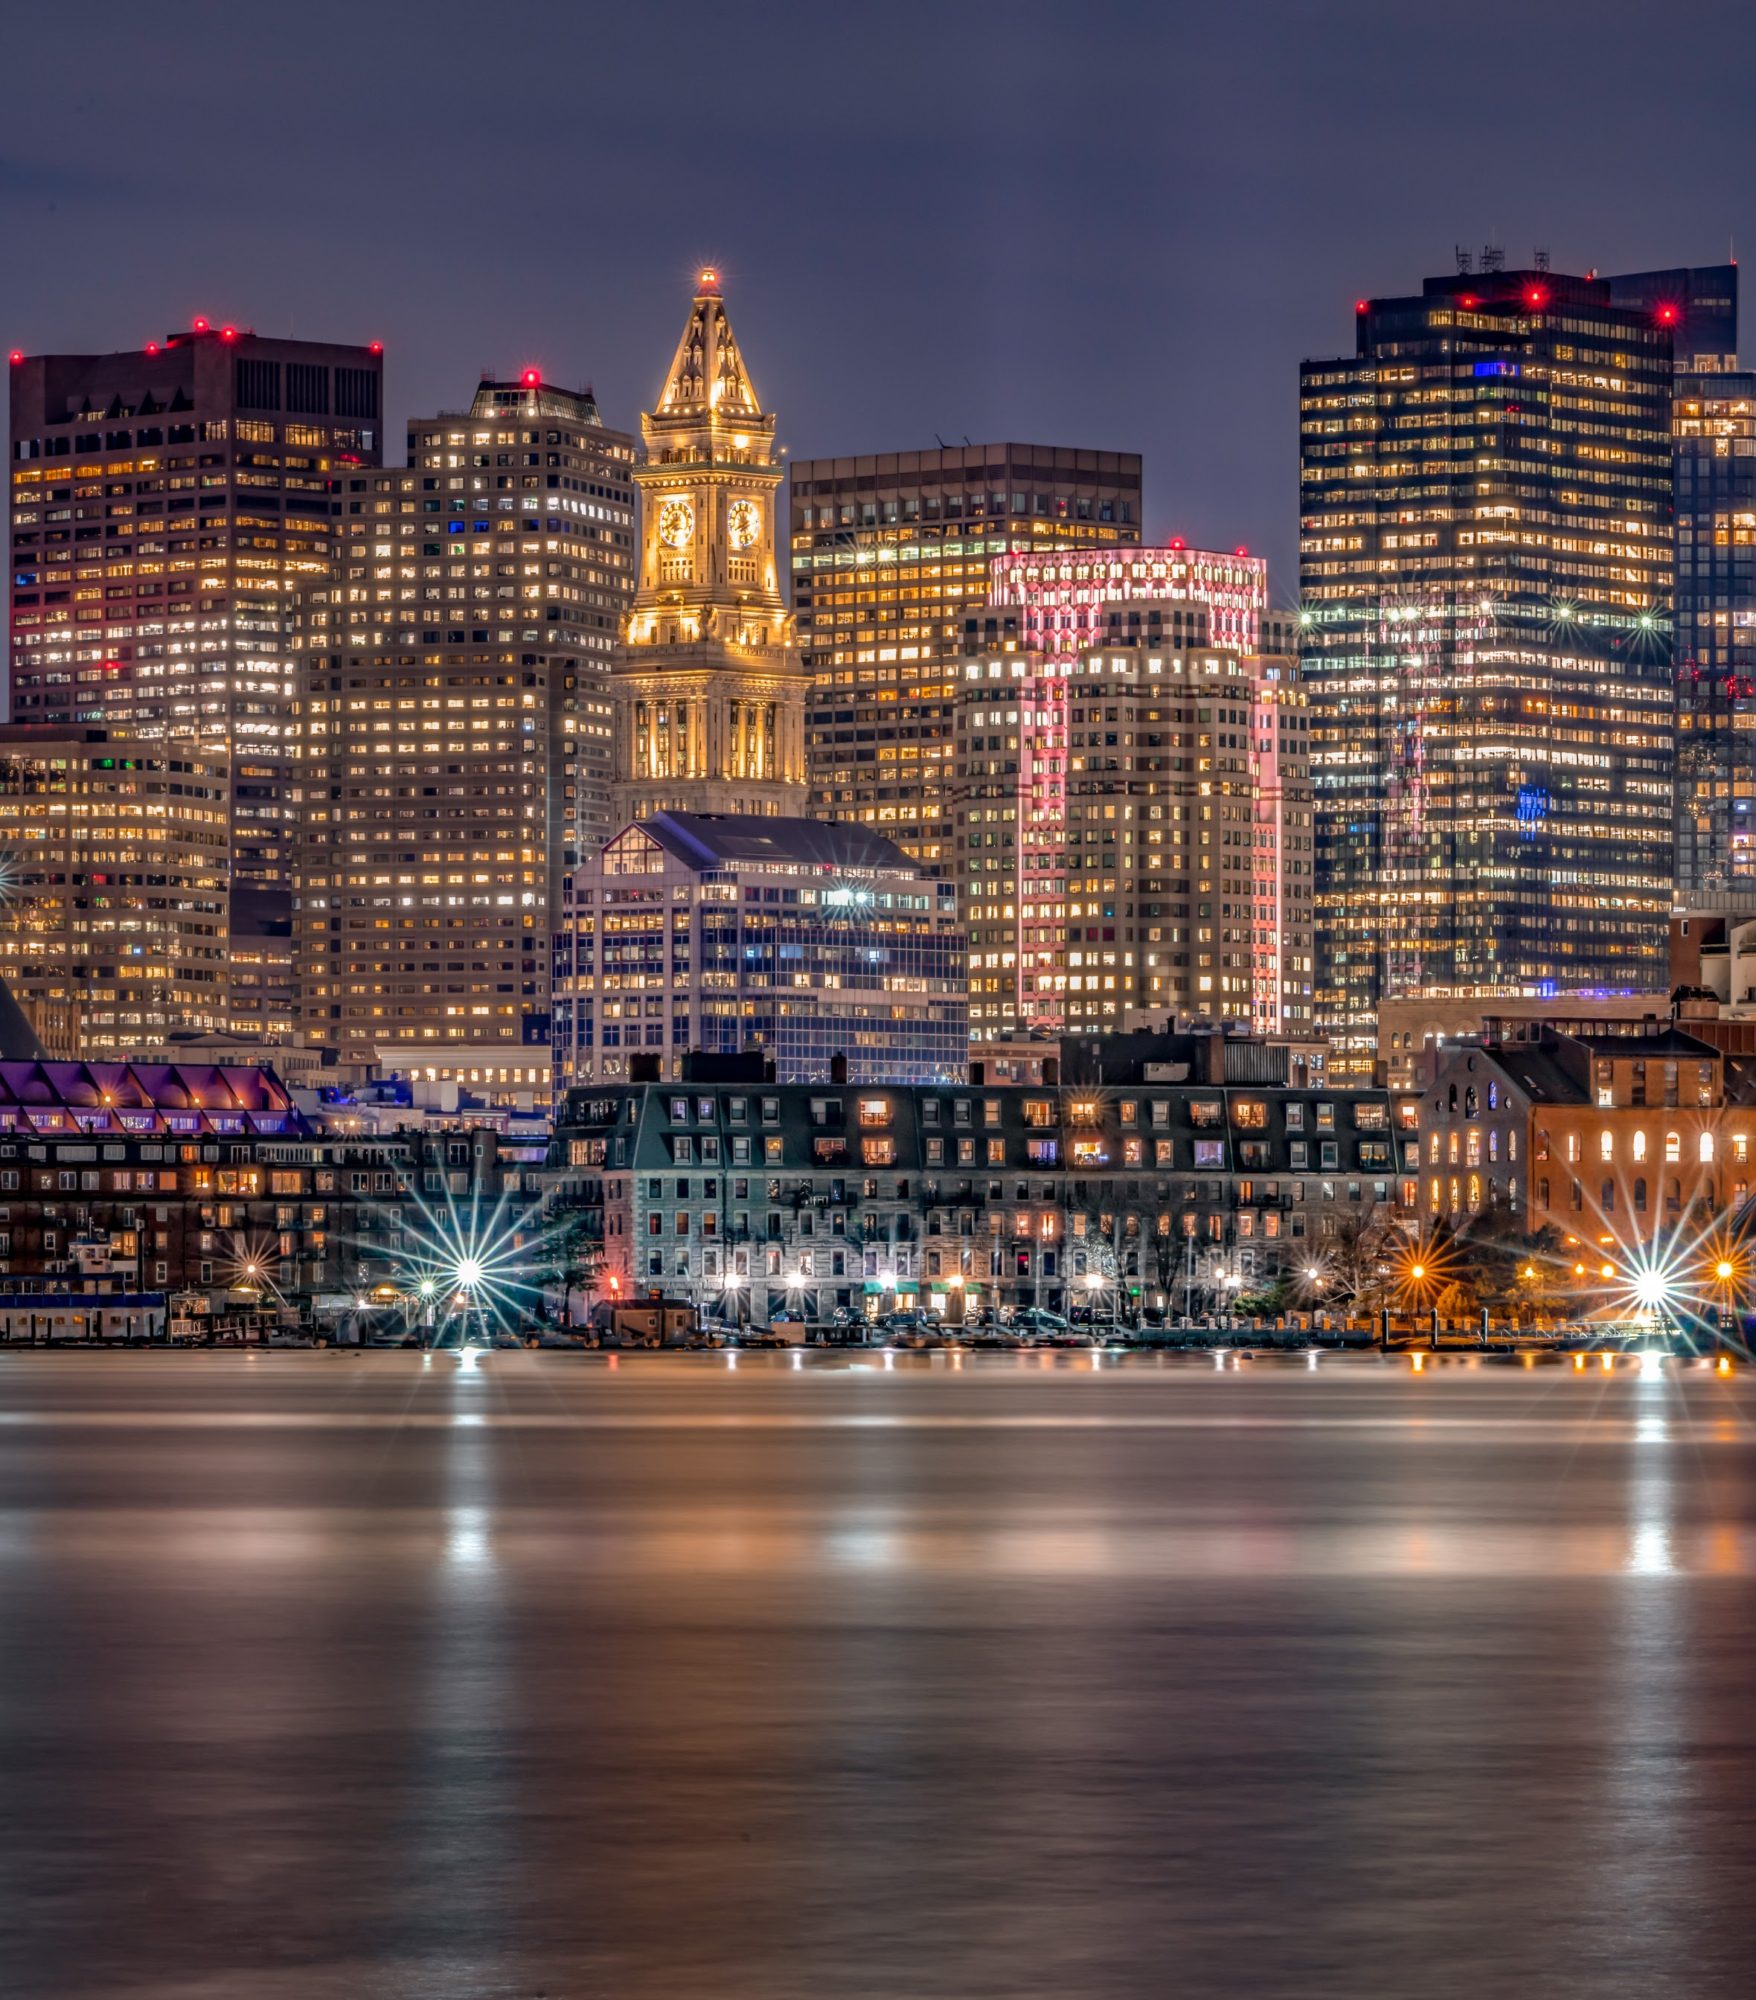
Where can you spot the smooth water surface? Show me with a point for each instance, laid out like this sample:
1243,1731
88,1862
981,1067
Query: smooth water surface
756,1677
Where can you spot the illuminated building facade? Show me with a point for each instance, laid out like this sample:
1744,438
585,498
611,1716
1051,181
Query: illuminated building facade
1131,797
457,725
1627,1138
1713,442
113,912
1186,1168
724,932
891,553
709,691
1486,567
168,504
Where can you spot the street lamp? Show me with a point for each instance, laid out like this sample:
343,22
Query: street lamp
731,1284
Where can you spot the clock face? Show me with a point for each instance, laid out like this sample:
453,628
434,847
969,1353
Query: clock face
743,523
676,523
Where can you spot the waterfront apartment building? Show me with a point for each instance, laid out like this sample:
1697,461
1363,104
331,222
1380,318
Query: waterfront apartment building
819,946
113,903
168,505
891,552
1131,796
709,687
457,727
1486,566
146,1183
1634,1140
1177,1171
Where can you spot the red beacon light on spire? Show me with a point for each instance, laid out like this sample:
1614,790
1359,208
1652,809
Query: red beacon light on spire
709,279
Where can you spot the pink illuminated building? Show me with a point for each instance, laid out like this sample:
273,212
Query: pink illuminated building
1131,795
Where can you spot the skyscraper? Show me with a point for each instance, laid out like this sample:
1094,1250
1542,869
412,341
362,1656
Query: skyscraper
1714,461
1486,563
168,503
113,914
890,554
458,724
709,691
1131,795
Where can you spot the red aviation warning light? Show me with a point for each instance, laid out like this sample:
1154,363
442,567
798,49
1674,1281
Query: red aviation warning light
531,379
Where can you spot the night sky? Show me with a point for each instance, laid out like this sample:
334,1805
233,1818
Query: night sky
1097,224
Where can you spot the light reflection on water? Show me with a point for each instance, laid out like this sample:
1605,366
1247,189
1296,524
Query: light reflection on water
952,1675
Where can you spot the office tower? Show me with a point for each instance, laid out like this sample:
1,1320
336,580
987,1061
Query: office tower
729,931
709,691
1486,563
1133,817
167,505
113,909
890,554
1713,424
457,725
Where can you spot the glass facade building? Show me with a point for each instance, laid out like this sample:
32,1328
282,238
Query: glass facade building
1486,570
733,931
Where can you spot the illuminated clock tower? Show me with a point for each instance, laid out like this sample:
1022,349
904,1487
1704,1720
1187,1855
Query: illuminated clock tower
709,690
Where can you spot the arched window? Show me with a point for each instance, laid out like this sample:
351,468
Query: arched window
1493,1095
1493,1146
1469,1102
1640,1197
1512,1144
1609,1201
1475,1191
1512,1191
1673,1147
1706,1146
1640,1145
1606,1145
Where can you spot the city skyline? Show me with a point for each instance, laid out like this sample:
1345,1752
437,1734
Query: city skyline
1043,320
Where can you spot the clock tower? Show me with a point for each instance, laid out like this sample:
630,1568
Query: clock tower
709,689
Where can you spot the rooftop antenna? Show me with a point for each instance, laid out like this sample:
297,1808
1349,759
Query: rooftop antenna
938,440
966,437
1465,260
1493,259
1541,258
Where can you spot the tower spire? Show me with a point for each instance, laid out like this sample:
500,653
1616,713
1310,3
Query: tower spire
707,373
